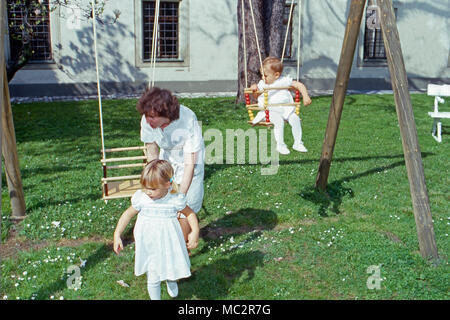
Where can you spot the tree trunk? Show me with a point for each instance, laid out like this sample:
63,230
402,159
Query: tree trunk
273,26
19,61
268,16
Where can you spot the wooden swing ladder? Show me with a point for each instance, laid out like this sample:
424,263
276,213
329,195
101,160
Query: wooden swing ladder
122,186
247,91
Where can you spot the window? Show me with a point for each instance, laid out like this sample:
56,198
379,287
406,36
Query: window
39,20
167,47
374,50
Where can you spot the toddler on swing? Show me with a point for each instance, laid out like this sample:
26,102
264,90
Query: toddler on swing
273,68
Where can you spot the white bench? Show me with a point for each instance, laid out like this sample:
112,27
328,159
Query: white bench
438,91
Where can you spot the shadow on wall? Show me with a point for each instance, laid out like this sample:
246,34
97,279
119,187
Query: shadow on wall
315,29
112,63
221,18
76,60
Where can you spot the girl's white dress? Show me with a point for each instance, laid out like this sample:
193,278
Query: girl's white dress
160,245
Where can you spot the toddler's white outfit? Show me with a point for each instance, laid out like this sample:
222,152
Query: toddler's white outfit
278,115
160,246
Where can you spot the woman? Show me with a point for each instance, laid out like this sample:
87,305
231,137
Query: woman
171,132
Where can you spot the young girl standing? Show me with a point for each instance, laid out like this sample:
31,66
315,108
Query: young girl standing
160,245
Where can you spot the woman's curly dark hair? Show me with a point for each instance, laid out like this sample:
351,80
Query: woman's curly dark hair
159,102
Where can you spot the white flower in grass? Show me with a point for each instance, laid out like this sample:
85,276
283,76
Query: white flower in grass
82,263
56,223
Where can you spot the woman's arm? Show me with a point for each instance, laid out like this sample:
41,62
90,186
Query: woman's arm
152,151
188,174
125,218
195,230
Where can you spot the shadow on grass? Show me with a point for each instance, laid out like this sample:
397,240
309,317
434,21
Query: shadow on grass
51,203
214,280
331,197
98,256
246,220
211,169
335,191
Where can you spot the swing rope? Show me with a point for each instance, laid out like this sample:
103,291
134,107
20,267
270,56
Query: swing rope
245,47
298,39
287,31
98,80
154,43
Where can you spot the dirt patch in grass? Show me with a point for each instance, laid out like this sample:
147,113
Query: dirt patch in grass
16,243
393,237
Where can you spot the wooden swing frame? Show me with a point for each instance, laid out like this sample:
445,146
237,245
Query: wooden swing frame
403,106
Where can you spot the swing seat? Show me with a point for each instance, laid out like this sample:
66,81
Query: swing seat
262,123
124,186
250,107
122,189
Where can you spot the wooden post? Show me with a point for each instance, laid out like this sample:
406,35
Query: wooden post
8,144
411,149
9,150
2,68
340,88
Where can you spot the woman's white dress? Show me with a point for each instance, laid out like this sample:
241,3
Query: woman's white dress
160,245
181,136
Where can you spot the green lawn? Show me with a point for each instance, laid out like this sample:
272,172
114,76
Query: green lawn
263,237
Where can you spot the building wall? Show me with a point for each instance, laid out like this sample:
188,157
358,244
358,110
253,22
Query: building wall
210,50
424,35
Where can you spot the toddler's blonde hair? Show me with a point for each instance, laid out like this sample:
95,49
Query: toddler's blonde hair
156,174
274,64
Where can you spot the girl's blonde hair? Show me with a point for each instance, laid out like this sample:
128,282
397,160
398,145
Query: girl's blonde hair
156,174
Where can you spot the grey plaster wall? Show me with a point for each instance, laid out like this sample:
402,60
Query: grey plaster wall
209,49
